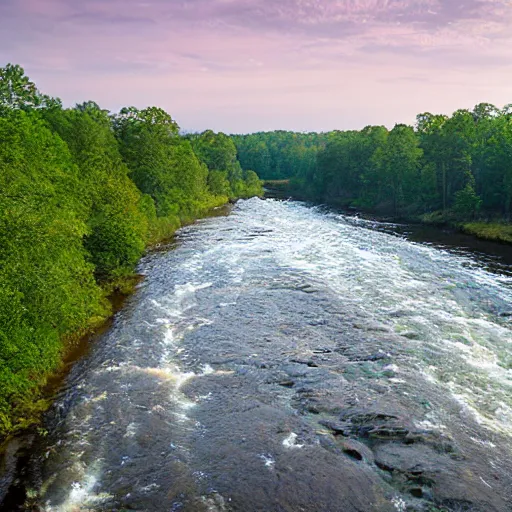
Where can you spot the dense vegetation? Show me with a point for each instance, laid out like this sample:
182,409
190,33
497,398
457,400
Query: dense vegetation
82,193
456,168
279,155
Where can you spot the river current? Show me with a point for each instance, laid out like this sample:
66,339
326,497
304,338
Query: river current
287,358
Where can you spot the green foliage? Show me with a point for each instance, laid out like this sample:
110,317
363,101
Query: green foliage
499,232
218,183
82,193
399,164
280,154
458,165
162,164
253,185
47,287
467,203
18,92
226,177
117,225
218,152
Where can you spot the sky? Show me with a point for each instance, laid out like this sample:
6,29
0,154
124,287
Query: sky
241,66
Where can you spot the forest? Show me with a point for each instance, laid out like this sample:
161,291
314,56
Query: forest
444,169
83,193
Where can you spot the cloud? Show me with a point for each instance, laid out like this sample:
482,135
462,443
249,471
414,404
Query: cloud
354,22
94,18
268,60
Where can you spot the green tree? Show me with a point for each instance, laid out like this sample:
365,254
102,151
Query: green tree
17,91
117,226
47,288
162,164
218,183
400,164
219,153
467,202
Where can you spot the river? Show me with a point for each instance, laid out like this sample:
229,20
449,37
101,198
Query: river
289,358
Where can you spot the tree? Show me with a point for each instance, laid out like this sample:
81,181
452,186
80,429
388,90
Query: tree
162,164
73,222
467,202
117,226
218,183
253,186
18,92
279,154
400,163
47,288
218,152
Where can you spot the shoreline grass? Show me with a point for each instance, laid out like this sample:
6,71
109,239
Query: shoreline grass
494,231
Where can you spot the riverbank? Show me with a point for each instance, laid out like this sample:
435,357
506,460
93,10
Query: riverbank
499,232
27,411
84,193
16,444
496,231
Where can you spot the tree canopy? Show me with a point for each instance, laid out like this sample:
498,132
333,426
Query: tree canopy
450,167
82,194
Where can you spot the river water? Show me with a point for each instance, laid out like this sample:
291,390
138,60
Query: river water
287,358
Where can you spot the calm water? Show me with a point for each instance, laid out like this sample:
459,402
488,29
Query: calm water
284,358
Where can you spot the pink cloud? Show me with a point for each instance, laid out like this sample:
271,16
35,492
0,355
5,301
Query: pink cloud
252,64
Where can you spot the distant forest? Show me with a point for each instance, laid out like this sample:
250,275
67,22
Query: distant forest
83,192
445,168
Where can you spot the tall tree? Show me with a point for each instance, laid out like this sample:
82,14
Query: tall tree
17,91
117,225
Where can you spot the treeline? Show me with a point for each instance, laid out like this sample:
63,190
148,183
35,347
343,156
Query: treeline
456,168
279,155
82,194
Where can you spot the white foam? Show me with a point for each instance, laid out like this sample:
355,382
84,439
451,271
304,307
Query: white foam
487,444
291,441
268,460
81,495
207,370
399,504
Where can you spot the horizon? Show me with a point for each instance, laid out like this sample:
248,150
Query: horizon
251,66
